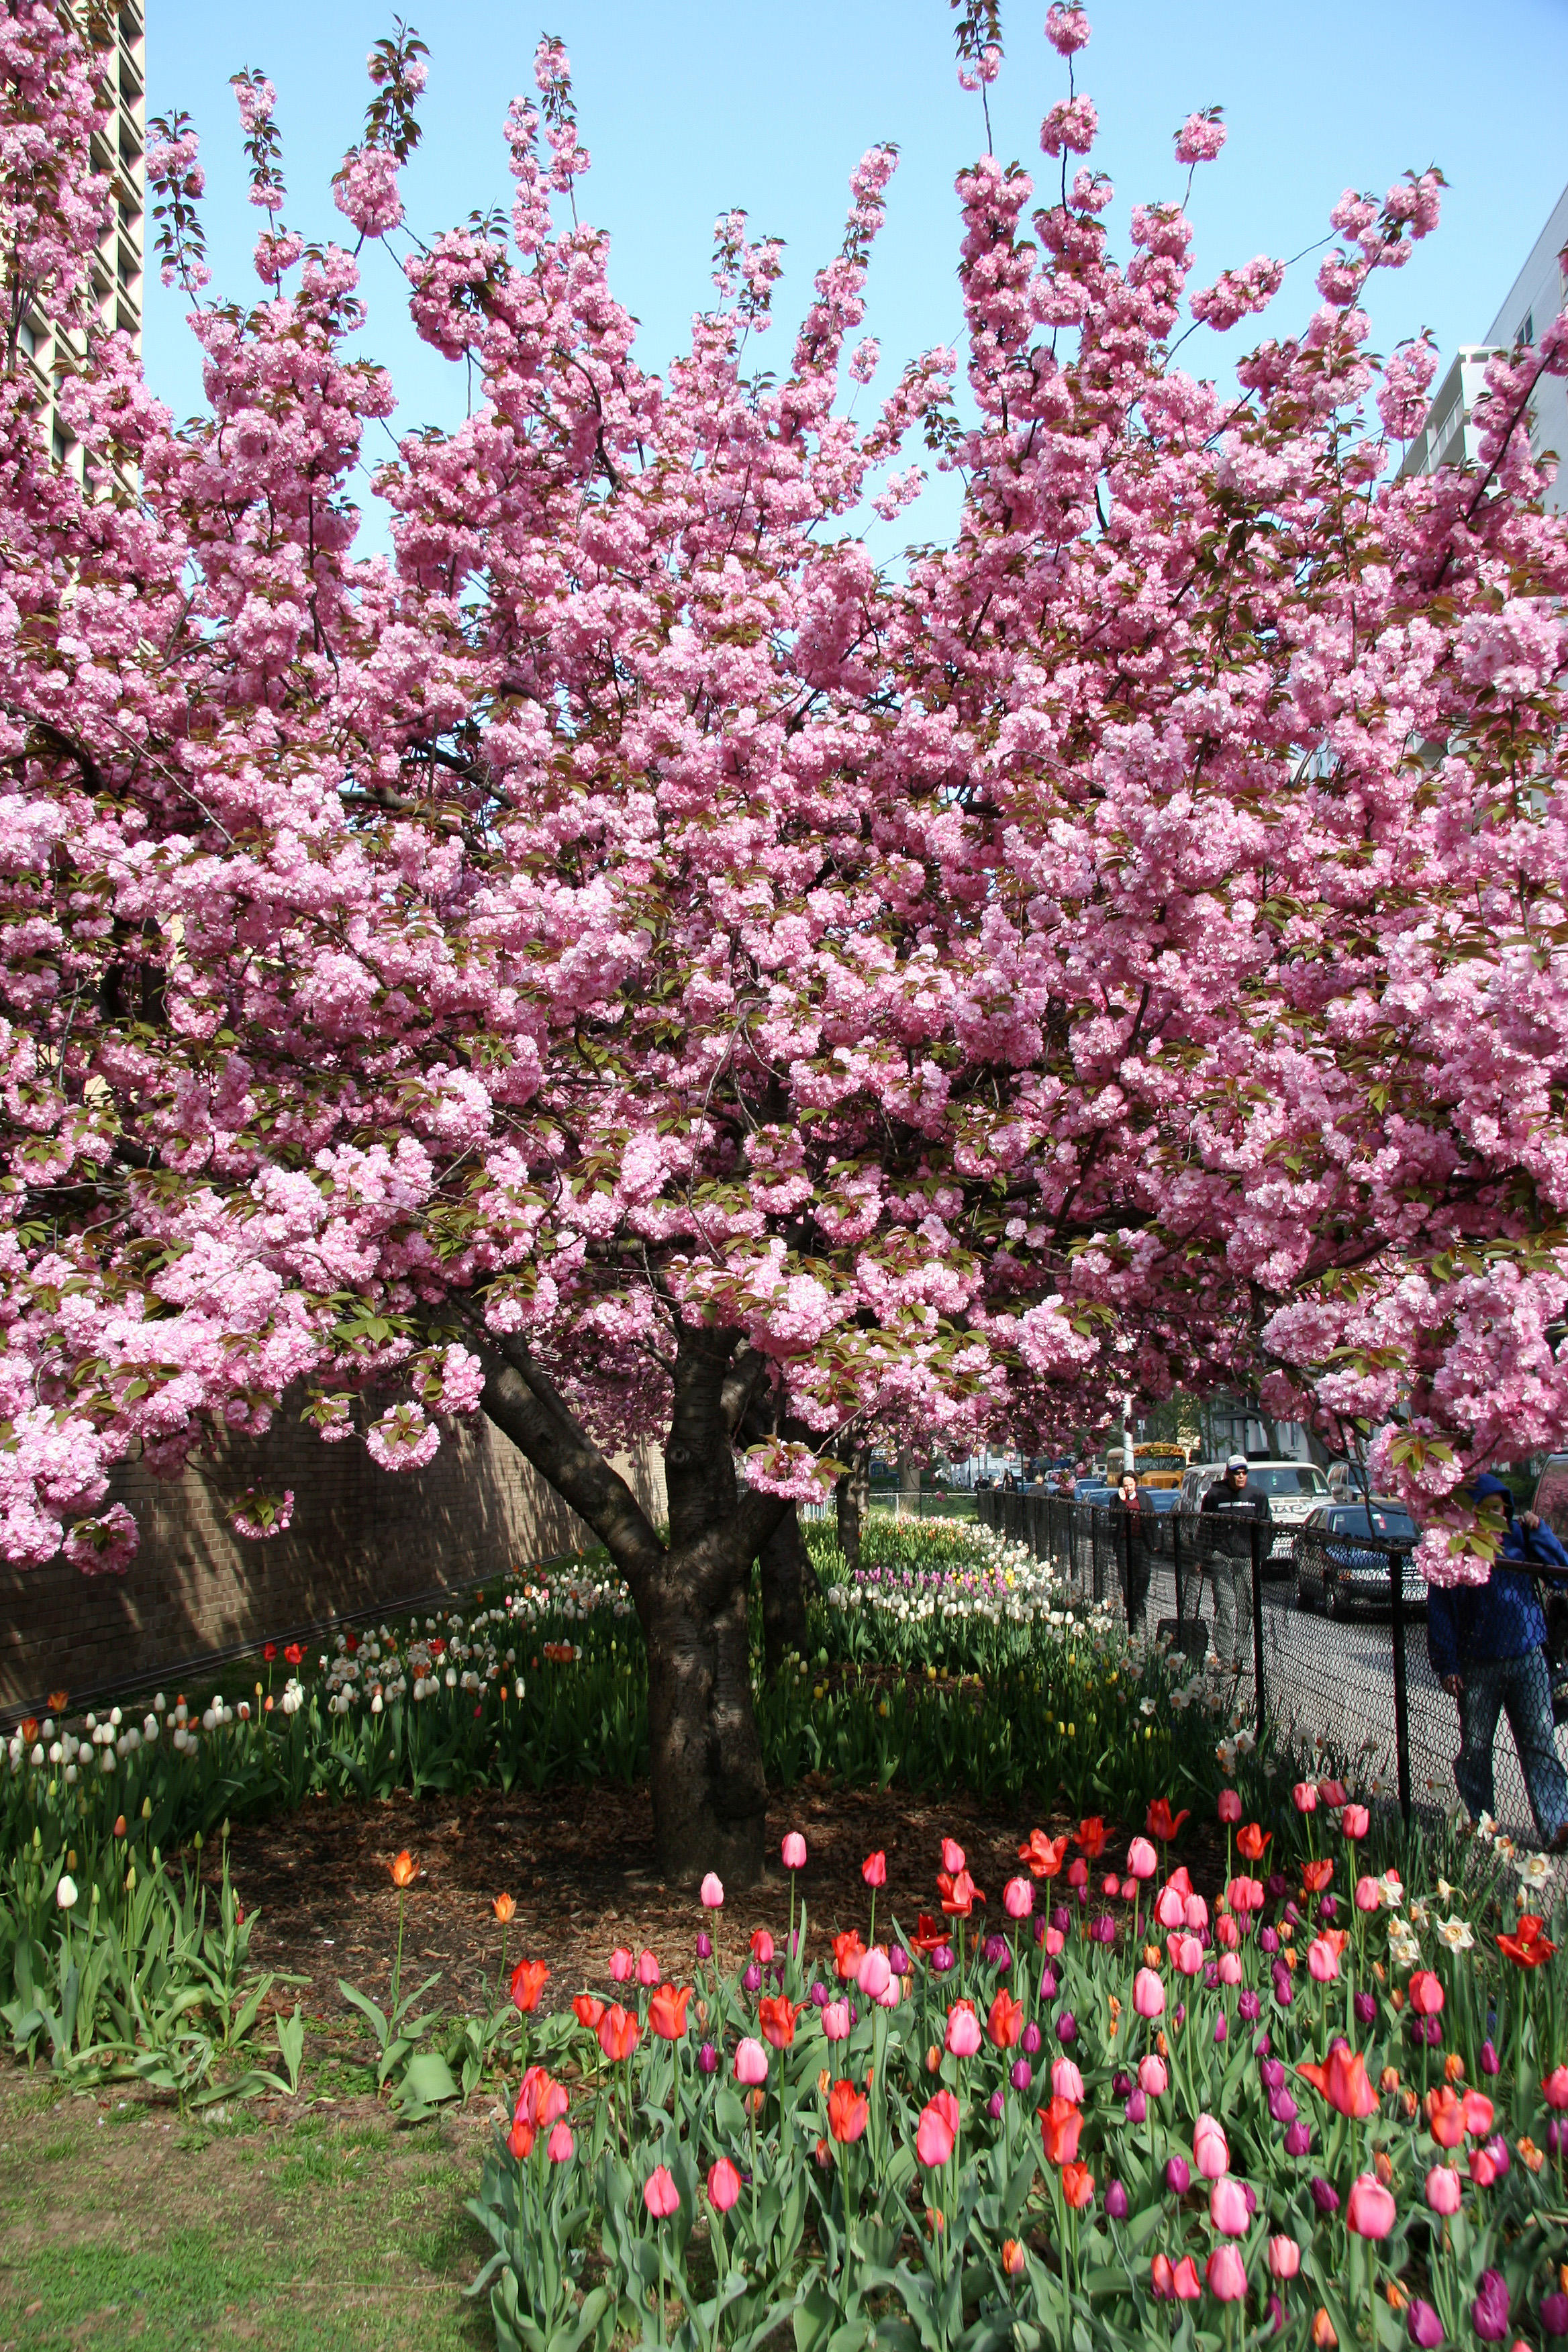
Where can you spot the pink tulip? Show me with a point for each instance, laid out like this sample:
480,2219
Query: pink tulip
620,1964
1018,1898
1152,2078
1369,2208
1425,1992
558,2147
1186,1954
648,1969
1197,1915
963,2030
1229,1805
793,1852
1555,2088
1444,2189
1227,2207
933,2136
874,1975
1142,1859
1055,1940
1355,1821
835,2020
951,1857
1211,2149
1322,1960
1066,2083
751,2063
1169,1908
888,1996
1305,1794
1227,2275
1228,1935
661,2194
1229,1969
1284,2254
712,1893
1147,1994
1368,1894
724,2184
1483,2167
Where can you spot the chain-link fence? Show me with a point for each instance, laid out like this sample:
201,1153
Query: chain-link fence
1319,1628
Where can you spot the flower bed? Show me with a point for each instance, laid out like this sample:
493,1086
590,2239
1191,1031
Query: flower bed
1119,2105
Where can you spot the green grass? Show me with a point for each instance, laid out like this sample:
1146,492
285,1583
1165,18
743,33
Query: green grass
121,2225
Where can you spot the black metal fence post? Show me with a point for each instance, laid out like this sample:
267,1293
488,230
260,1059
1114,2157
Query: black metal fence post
1401,1691
1257,1617
1099,1559
1176,1560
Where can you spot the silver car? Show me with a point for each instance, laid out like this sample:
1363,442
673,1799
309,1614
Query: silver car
1336,1572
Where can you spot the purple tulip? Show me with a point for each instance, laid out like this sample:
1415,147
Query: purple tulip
1268,1940
1293,1915
1277,1886
1489,2313
704,1946
1180,2013
898,1960
819,1995
1066,2028
1221,2027
854,2013
1328,1907
1211,1976
1103,1930
1425,2328
1120,2083
1040,1931
1298,2139
1276,2312
1023,2074
1555,2314
1272,2073
1263,2045
1031,2037
707,2059
1116,2206
1553,2136
996,1952
1061,1920
1282,2107
942,1959
1048,1984
1247,2005
993,2107
1178,2176
1284,1991
1325,2197
1250,2194
753,1980
1365,2009
1489,2059
1497,2148
1137,2106
1083,1896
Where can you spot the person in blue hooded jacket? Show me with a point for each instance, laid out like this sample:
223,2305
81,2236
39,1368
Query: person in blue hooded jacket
1488,1647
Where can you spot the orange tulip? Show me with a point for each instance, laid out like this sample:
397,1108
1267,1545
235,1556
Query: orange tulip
776,2017
57,1701
1077,2185
1160,1822
667,2012
1006,2022
1061,2125
849,1952
959,1893
405,1870
1250,1841
1342,2080
588,2011
1315,1876
619,2033
1044,1856
1089,1838
504,1907
527,1984
28,1727
847,2112
120,1825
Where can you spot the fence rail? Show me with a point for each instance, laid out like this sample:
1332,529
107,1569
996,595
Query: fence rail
1323,1634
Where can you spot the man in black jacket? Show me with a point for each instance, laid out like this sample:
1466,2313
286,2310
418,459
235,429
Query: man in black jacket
1233,1509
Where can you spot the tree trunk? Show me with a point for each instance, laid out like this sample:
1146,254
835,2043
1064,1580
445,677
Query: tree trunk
787,1576
692,1594
908,1483
853,1494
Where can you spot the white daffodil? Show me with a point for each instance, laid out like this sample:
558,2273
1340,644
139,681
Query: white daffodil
1532,1869
1454,1933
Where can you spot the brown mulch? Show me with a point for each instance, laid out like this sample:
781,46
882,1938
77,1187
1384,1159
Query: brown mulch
579,1861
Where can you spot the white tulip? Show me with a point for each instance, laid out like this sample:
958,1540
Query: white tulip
65,1893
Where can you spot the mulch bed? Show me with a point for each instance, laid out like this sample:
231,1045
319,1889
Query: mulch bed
579,1861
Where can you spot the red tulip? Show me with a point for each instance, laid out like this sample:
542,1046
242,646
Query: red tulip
1077,2185
667,2012
1160,1822
1090,1837
527,1984
849,1952
776,2017
1006,2022
1044,1856
847,2112
959,1893
1528,1948
588,2011
619,2033
873,1869
1061,2125
1316,1875
1250,1841
1342,2080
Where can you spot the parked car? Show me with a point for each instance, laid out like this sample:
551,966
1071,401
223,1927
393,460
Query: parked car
1295,1489
1336,1573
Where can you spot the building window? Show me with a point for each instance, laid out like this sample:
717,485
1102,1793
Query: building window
1527,328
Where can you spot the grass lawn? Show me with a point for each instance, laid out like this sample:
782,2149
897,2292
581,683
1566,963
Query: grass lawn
326,2227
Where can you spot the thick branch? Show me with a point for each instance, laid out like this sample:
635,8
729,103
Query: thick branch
526,1408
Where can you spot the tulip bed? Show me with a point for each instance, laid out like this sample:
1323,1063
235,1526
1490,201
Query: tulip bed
1119,2116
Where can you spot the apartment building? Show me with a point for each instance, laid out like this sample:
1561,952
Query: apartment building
118,33
1532,302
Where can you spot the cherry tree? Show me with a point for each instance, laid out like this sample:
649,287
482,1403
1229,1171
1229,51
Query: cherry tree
626,964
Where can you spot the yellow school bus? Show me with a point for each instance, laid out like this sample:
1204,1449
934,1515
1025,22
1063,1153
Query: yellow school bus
1157,1462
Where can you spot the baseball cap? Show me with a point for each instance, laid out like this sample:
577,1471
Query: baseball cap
1236,1462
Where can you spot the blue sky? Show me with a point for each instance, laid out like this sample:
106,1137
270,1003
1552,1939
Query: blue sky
690,107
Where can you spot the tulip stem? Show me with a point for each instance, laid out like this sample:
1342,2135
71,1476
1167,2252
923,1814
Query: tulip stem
397,1963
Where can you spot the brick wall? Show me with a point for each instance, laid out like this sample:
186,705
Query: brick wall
360,1537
